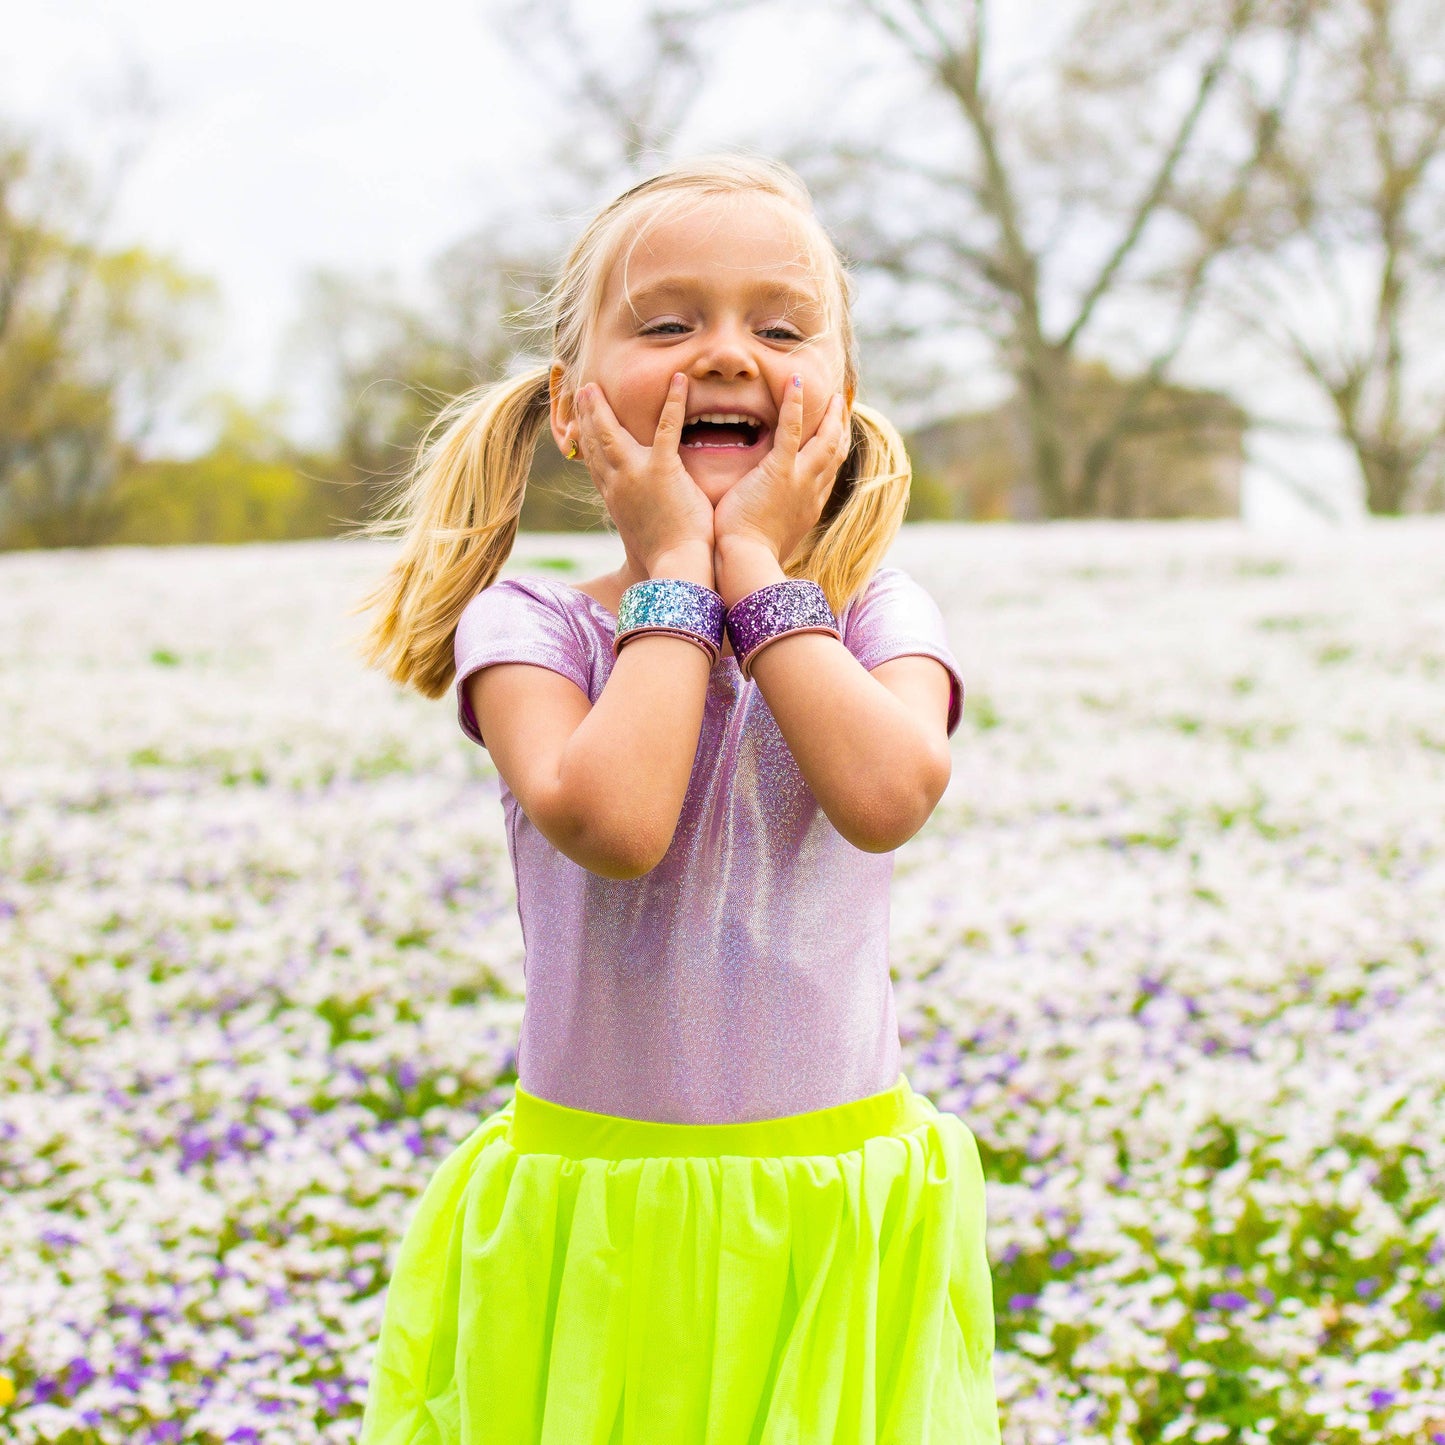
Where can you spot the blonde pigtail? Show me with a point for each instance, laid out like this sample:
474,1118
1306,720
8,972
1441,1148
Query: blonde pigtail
849,543
457,510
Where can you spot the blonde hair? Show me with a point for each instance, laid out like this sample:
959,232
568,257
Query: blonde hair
458,507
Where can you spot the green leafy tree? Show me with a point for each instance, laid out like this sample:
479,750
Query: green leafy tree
249,486
91,342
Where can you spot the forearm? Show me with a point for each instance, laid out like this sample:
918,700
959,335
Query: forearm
874,770
624,771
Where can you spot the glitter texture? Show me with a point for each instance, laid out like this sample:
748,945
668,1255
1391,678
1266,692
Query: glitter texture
672,605
746,976
793,605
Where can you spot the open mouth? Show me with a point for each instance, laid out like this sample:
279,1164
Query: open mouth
722,431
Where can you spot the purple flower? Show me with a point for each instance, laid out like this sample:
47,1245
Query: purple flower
1381,1399
1061,1259
243,1435
78,1374
333,1396
1020,1302
1229,1299
1365,1288
168,1431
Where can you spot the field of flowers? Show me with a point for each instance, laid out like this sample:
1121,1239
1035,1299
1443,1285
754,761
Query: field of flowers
1173,945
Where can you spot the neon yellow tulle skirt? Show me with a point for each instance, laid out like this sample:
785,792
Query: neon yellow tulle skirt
570,1278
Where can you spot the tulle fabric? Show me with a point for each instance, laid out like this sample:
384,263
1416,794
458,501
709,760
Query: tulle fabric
569,1278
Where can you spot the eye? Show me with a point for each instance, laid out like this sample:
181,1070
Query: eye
663,328
780,333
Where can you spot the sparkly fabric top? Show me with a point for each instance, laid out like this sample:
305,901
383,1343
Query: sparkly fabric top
746,976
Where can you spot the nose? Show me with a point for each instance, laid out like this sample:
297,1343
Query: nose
725,349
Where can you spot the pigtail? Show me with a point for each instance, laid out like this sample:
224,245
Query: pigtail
457,509
862,516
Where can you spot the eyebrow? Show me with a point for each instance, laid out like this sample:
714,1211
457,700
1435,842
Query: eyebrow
794,297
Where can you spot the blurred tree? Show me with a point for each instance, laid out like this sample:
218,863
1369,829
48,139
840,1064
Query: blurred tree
249,486
389,363
626,84
1345,276
1080,204
91,341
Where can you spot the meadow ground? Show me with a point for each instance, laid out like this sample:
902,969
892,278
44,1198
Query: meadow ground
1173,945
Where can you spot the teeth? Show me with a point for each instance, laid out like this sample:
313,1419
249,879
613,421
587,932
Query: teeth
718,418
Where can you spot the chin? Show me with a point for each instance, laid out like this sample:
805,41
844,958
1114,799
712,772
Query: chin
715,478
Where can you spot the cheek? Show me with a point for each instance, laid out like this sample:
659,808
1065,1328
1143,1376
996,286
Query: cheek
822,378
636,395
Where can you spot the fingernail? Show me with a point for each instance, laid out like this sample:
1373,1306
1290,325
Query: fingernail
678,376
798,379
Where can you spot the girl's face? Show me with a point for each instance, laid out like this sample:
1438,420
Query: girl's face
723,293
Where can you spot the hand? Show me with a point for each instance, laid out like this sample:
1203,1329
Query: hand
779,502
657,507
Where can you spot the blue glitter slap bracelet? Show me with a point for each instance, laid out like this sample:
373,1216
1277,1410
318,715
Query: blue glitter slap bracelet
774,611
674,606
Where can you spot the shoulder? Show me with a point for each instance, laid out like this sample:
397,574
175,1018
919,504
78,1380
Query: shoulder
531,620
519,606
890,595
522,595
896,616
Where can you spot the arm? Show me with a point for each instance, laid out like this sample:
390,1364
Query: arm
604,783
872,747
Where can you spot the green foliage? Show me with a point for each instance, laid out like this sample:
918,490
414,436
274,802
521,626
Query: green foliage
221,497
91,341
929,500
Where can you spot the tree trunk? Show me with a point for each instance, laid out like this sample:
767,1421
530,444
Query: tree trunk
1043,385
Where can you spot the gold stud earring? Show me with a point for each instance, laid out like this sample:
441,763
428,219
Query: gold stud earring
572,450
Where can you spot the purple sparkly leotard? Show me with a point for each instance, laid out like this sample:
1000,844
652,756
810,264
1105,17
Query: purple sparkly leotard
746,976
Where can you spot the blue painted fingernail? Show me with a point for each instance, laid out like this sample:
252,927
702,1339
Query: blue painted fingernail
797,378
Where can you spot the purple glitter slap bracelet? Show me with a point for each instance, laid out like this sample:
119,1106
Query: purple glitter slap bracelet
674,606
774,611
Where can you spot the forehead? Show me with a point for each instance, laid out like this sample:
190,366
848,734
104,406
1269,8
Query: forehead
739,242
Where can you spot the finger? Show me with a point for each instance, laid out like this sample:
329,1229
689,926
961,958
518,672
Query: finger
790,424
668,436
599,424
831,434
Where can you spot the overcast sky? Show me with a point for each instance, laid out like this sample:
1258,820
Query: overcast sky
290,135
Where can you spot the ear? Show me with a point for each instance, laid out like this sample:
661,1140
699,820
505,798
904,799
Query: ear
564,416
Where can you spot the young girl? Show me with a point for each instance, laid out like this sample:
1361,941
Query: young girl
713,1212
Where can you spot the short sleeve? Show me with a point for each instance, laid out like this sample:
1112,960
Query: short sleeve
516,620
895,617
